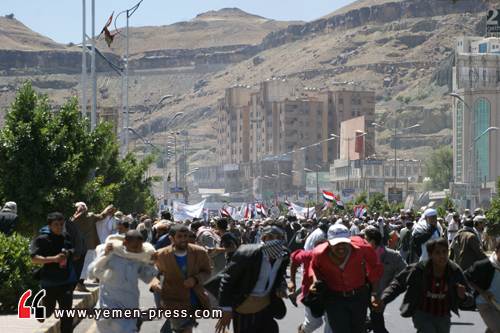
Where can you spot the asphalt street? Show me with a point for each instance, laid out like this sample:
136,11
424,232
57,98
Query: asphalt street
467,323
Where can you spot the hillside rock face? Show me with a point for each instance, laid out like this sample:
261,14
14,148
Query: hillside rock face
401,49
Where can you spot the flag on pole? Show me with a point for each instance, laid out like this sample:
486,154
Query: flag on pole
108,36
359,211
340,204
329,196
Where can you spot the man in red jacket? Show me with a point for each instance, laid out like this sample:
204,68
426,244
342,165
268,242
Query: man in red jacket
347,266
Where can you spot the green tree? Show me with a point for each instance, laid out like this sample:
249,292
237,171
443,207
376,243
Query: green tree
362,198
493,214
49,159
439,168
377,203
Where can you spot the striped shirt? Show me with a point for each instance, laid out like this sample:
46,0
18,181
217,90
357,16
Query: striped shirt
435,300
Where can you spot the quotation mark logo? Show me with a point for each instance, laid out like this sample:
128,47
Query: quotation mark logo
35,310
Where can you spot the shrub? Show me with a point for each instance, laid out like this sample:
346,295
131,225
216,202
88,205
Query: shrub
16,271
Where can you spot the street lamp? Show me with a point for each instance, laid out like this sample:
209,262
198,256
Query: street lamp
395,144
486,131
129,12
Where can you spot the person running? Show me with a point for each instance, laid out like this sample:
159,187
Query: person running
393,265
53,249
253,284
425,230
121,262
345,265
466,247
434,288
484,277
184,268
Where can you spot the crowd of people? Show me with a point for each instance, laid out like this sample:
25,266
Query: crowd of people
349,268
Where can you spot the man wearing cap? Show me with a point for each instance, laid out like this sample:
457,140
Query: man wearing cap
317,235
466,248
425,230
253,284
346,266
8,218
453,226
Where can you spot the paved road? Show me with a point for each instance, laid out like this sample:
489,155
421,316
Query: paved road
467,323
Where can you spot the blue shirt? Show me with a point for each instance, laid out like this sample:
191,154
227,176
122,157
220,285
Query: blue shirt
182,262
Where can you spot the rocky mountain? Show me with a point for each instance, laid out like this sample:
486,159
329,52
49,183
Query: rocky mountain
221,28
402,49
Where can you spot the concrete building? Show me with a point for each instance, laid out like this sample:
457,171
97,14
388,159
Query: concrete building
279,119
375,175
476,86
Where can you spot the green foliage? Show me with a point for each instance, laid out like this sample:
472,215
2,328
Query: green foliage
49,159
445,205
439,167
378,203
362,198
493,214
16,271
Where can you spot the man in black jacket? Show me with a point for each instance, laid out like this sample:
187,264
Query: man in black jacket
484,277
253,284
8,218
433,288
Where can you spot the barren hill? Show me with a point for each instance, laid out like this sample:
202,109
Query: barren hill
228,26
402,49
16,36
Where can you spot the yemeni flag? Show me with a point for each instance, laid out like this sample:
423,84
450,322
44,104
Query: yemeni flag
359,211
223,212
108,36
340,204
329,196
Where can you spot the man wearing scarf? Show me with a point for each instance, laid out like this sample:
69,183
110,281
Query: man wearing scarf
466,247
425,230
253,284
484,277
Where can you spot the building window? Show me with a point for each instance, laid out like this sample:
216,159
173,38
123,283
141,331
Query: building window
459,140
482,110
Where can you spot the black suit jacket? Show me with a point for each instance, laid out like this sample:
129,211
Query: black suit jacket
8,222
241,275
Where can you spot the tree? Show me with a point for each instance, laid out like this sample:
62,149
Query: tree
377,203
493,214
439,168
49,159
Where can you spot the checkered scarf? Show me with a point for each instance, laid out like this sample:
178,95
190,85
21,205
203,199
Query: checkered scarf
273,249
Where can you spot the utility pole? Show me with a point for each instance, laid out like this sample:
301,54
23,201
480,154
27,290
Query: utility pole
93,73
395,154
84,60
127,124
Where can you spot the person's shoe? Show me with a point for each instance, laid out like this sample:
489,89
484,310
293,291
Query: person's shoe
81,288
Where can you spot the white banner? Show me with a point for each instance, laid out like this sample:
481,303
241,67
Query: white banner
187,212
303,212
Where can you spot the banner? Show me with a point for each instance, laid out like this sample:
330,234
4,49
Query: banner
187,212
303,212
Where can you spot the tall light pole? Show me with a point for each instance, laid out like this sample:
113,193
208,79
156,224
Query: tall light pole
473,144
129,12
93,117
84,59
395,145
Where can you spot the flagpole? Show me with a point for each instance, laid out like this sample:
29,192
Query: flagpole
84,60
93,73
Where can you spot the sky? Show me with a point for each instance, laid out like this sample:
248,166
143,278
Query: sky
61,20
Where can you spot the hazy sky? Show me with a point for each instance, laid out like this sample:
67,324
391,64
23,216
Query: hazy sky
61,20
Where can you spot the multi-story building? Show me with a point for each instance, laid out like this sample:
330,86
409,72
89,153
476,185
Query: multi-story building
277,118
476,88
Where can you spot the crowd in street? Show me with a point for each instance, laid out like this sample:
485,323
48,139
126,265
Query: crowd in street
344,269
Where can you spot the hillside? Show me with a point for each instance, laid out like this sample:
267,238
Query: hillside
228,26
16,36
402,49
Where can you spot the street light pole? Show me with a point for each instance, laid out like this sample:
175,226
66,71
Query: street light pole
84,59
93,74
